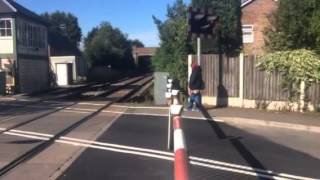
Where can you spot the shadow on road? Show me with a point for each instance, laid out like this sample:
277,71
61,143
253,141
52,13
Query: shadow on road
235,141
267,149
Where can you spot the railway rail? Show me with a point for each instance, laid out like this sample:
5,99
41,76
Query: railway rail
115,93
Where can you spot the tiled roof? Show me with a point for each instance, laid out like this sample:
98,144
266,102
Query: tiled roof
145,51
5,7
245,2
11,7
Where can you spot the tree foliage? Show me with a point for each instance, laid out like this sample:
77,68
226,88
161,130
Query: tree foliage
295,25
64,31
228,34
108,46
174,45
295,66
136,43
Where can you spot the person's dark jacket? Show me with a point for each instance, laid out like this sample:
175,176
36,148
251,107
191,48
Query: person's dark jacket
196,81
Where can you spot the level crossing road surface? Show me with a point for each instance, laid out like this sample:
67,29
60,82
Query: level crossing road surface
130,142
216,151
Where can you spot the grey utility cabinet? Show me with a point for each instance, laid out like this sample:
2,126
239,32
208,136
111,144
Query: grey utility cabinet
160,87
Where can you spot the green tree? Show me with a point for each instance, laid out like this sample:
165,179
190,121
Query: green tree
295,66
174,45
64,31
106,45
295,25
228,34
136,43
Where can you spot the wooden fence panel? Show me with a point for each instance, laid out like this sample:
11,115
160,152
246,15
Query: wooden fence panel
314,95
229,73
258,85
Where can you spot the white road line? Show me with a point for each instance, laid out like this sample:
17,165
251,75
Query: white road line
236,170
8,98
91,104
26,136
81,109
31,133
2,129
141,107
117,150
118,146
227,164
77,112
162,115
163,155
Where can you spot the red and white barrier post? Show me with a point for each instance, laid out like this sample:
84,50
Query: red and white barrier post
180,152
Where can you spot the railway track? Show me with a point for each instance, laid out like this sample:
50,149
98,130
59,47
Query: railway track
59,93
116,92
54,96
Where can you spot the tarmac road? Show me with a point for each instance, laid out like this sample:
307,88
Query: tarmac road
216,151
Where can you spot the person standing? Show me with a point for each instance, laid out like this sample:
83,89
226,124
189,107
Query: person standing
195,86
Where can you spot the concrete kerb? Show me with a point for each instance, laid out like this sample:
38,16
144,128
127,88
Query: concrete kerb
236,120
265,123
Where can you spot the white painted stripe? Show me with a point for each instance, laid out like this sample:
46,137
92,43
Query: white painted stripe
178,139
141,107
78,112
203,160
227,164
26,136
118,146
91,104
2,129
162,115
81,109
31,133
118,150
237,171
295,177
200,118
115,112
171,159
7,98
164,155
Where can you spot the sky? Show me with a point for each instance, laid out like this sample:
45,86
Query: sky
133,17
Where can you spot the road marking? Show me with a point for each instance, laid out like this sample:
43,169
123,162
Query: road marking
26,136
81,109
77,112
141,107
117,150
162,115
31,133
6,98
235,170
197,161
91,104
118,146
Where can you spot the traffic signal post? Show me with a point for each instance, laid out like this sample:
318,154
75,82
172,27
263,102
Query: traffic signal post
201,24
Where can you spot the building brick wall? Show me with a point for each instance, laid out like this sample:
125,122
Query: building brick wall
256,13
